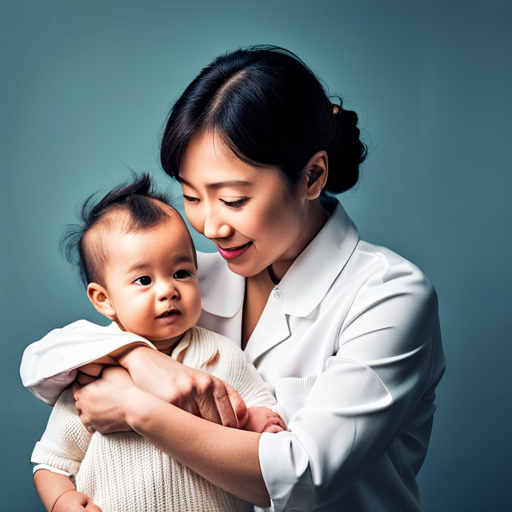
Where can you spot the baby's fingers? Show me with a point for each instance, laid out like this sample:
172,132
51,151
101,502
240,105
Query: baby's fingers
276,420
74,501
274,429
92,507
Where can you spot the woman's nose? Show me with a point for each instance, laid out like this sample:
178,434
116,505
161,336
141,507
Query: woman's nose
215,227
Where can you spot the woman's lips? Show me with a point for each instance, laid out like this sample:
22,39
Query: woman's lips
233,252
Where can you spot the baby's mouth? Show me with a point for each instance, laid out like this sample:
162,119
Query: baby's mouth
169,312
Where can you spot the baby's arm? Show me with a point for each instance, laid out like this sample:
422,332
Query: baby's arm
61,449
58,493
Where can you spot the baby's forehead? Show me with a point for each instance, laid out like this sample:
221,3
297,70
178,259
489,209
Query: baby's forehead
118,222
122,216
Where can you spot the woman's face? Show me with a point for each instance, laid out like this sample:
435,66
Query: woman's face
246,210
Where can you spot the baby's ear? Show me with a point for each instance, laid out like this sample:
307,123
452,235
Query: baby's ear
99,297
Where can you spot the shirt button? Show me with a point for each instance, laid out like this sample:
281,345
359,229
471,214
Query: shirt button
277,294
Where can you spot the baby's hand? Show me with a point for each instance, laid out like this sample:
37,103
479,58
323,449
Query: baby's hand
92,371
74,501
262,419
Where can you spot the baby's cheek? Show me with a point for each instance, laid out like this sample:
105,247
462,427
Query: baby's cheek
196,303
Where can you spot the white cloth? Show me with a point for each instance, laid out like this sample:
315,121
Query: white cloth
123,472
49,365
349,341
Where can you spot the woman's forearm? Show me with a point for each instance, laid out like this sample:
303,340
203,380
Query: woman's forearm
225,456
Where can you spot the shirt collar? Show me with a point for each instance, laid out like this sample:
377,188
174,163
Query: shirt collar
222,291
182,345
305,283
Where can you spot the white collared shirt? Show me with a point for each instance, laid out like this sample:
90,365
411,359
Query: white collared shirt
349,341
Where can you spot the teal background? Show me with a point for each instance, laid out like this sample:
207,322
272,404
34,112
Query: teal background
85,89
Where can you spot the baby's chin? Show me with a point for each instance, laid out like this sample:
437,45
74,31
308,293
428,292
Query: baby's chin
166,346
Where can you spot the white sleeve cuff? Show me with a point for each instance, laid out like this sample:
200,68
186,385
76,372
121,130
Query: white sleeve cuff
53,470
286,472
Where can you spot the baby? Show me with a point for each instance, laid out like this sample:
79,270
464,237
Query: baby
138,262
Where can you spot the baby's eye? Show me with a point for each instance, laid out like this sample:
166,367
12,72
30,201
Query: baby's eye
143,280
182,274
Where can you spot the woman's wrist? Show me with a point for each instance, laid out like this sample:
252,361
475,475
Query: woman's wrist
140,408
129,355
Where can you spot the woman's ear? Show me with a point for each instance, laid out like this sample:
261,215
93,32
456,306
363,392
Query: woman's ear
98,296
317,170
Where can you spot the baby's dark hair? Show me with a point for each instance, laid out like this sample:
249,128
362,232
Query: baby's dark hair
145,207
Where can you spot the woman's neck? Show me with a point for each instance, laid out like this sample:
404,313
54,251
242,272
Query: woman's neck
258,287
316,218
257,290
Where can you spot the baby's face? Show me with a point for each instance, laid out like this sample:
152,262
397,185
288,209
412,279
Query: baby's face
151,281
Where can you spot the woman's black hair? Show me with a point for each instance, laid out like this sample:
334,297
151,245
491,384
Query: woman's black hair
139,198
269,108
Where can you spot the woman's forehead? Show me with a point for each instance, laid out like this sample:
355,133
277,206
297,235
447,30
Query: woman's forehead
208,161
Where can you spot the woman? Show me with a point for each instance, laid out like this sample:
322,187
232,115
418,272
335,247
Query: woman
345,333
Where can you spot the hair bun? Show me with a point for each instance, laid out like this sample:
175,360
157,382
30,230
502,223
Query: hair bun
346,153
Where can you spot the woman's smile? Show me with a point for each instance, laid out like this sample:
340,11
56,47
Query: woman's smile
230,253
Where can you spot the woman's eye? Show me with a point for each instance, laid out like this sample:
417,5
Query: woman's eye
181,274
190,199
143,280
235,204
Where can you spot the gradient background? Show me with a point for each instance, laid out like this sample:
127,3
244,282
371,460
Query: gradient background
85,89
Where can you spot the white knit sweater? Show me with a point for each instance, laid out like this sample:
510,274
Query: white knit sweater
123,472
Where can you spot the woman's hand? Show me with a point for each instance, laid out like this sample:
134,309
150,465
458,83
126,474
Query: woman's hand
191,390
104,405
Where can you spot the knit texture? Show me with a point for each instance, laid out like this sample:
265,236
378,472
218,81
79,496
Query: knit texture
122,472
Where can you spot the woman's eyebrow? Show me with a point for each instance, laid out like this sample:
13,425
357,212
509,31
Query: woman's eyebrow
220,184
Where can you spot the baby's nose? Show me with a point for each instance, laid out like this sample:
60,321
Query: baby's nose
168,292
